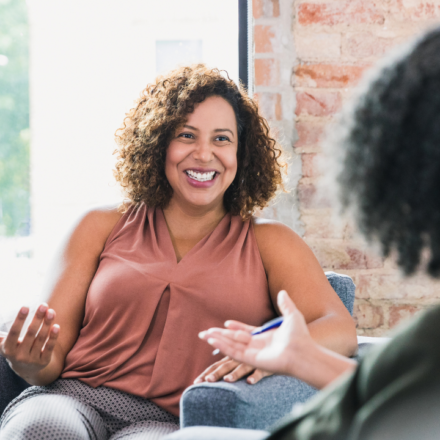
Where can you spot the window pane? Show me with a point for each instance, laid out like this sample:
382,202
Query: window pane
14,119
170,54
89,61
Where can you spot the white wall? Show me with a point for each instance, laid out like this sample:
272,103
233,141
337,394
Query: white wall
89,61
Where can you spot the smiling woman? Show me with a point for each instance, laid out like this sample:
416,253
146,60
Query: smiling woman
136,284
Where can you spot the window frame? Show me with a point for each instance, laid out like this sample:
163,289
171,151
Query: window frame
245,45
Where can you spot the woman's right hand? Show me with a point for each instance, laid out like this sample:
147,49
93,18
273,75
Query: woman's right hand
28,356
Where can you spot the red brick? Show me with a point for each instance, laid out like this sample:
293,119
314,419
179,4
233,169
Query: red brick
309,198
263,37
257,8
266,72
318,103
357,259
318,46
399,314
306,195
340,12
327,75
377,285
335,254
373,260
309,165
368,316
366,45
266,8
425,10
318,224
417,10
270,105
308,134
278,108
275,8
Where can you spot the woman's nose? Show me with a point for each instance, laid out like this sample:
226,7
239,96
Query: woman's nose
203,151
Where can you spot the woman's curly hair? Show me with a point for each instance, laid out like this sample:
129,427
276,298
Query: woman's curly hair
162,107
390,140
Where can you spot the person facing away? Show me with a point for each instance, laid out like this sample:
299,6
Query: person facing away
116,344
388,142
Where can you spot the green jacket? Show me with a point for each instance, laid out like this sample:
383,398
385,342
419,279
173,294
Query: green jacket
393,394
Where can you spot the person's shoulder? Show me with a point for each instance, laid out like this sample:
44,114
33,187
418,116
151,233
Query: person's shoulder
276,240
268,229
103,217
96,224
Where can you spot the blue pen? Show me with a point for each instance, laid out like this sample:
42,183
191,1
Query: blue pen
274,323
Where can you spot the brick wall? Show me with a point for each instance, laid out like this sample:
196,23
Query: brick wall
332,42
274,65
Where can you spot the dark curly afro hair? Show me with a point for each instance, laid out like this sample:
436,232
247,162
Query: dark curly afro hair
391,155
162,108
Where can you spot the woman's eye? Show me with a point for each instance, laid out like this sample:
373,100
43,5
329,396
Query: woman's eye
186,135
223,138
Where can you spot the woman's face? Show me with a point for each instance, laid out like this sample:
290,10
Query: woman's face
201,159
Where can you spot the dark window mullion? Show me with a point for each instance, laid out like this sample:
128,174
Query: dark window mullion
243,44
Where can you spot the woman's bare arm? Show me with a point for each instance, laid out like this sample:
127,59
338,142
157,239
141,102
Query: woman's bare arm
67,286
291,266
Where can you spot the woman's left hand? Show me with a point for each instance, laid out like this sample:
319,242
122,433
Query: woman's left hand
231,371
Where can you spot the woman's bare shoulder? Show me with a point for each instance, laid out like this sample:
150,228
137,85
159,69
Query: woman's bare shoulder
268,230
277,241
95,225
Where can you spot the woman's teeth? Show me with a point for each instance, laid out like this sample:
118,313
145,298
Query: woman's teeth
201,177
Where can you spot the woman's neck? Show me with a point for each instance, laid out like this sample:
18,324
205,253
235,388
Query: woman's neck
192,223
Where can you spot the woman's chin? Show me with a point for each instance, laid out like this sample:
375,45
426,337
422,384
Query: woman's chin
205,201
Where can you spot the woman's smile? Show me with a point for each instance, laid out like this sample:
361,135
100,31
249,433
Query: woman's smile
200,178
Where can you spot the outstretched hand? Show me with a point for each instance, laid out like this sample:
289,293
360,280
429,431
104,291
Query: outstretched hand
273,350
34,352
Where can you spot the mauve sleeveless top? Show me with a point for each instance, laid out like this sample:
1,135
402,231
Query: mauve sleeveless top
144,310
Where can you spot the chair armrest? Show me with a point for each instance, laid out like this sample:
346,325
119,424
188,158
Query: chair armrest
240,405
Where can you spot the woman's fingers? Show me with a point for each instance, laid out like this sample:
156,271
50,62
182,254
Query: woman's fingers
237,325
210,369
220,371
238,373
11,341
42,335
50,344
234,335
257,375
34,326
285,303
228,346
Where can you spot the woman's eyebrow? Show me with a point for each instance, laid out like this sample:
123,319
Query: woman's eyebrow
215,131
191,127
223,129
